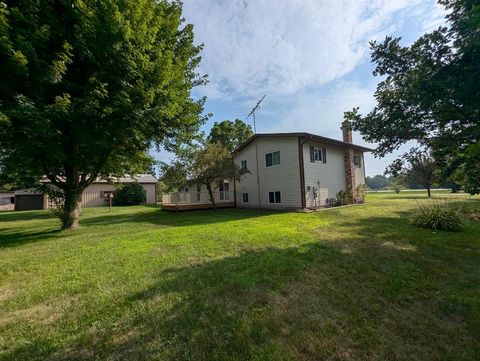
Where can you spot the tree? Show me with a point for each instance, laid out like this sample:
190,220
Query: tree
89,86
429,94
130,194
422,170
230,134
207,164
377,182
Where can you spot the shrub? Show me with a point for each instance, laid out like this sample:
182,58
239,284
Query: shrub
130,194
442,216
397,188
469,211
343,198
360,193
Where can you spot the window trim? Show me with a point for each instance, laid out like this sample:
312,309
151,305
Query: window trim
273,164
274,197
242,162
321,151
245,197
359,157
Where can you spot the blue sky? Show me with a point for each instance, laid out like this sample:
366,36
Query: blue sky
310,58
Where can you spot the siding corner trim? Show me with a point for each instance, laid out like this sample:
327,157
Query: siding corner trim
301,142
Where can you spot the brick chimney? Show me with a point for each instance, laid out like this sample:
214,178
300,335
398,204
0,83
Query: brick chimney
347,131
348,159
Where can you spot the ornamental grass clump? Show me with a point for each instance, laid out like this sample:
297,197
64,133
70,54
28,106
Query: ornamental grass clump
440,215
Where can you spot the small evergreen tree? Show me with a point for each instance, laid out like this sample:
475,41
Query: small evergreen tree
130,194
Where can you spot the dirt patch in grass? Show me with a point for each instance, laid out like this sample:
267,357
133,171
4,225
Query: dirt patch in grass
44,313
5,293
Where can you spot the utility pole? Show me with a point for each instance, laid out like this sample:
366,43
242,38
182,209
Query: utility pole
252,112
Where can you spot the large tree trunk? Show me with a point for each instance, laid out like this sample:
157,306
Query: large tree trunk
212,198
428,190
72,196
70,212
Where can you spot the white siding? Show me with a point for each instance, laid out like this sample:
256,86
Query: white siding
359,171
198,193
284,177
6,197
329,177
149,192
91,196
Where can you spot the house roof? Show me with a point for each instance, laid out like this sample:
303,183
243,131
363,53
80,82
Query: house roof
140,178
27,191
306,136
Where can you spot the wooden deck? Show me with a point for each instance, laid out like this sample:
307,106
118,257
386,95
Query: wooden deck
191,206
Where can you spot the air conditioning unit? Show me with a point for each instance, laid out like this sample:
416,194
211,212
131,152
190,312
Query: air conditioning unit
331,202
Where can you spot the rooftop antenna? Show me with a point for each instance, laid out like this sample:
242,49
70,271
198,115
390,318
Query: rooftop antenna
252,112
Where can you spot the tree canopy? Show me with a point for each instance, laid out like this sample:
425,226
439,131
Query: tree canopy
378,181
206,163
429,93
230,134
89,86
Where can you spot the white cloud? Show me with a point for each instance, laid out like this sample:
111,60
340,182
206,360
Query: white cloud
321,111
281,47
309,56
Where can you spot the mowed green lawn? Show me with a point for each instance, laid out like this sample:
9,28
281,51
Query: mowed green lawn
144,284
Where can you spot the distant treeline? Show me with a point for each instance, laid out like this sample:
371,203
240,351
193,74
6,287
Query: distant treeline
378,182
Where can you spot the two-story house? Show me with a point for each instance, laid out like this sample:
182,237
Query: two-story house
298,170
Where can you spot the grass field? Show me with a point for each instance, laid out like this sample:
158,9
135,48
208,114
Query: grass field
140,283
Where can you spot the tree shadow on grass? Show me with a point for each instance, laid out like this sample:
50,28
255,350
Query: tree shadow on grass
387,291
371,295
25,216
177,219
316,301
12,237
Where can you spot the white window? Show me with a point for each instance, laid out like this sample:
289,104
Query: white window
107,194
244,164
274,197
318,155
272,159
357,160
245,197
224,191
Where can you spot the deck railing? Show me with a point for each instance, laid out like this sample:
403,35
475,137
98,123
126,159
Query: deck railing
183,198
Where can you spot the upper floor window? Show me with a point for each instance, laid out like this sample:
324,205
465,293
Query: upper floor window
318,155
357,160
272,159
243,164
